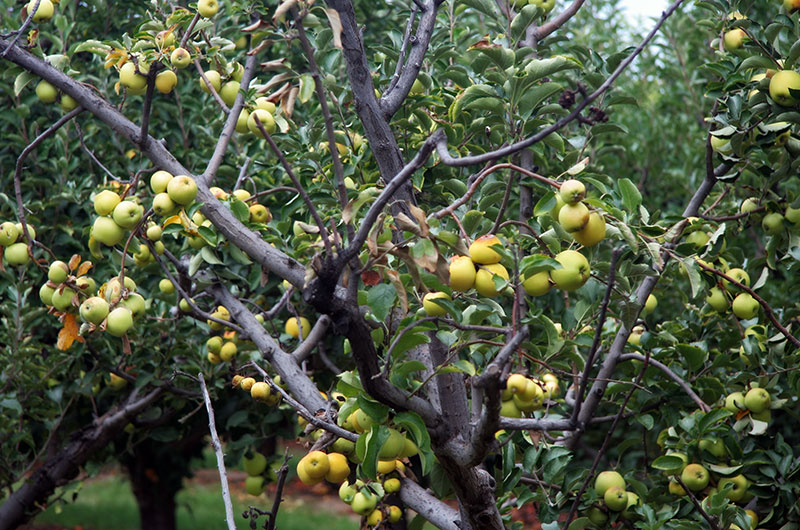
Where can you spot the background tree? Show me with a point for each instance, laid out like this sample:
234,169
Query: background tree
384,139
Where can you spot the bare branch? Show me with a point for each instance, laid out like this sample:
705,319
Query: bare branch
215,443
313,337
672,375
428,506
556,22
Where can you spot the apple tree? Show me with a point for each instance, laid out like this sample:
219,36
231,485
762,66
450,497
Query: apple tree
471,251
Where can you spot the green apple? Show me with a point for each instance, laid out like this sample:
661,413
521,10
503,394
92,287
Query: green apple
265,104
780,86
721,145
573,217
9,233
94,310
715,446
136,303
241,122
344,446
127,214
166,81
417,88
266,119
163,205
214,79
738,489
393,445
749,205
58,272
572,191
180,58
462,273
745,306
105,202
106,231
160,180
733,39
119,321
597,516
254,464
207,8
254,485
718,300
347,492
17,254
46,294
695,476
594,231
607,480
229,91
735,402
544,5
650,305
772,223
46,92
31,231
182,190
165,39
517,383
739,275
86,285
557,208
62,298
574,271
364,502
508,409
698,238
537,284
616,498
67,103
43,13
128,77
757,400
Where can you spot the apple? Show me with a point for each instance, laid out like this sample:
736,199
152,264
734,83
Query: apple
537,284
616,498
160,180
683,457
676,489
229,91
733,39
293,329
738,487
116,382
166,81
254,464
135,302
62,298
791,5
182,189
58,272
260,214
757,400
574,271
409,449
772,223
163,205
9,233
484,279
254,485
127,214
237,72
544,5
31,231
214,345
735,402
392,485
265,104
632,501
532,399
551,388
315,464
721,145
395,514
259,391
347,492
375,517
573,217
572,191
128,77
417,88
557,208
241,123
86,285
517,383
43,13
698,238
338,470
105,202
46,294
650,305
207,8
594,231
462,273
695,476
94,310
364,502
635,337
481,251
165,39
119,321
717,300
154,232
46,92
745,306
228,351
17,254
780,86
106,231
607,480
266,119
67,103
749,205
180,58
739,275
242,195
508,409
214,79
597,516
432,308
166,286
715,446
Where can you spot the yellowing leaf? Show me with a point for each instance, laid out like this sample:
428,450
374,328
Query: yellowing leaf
336,26
69,333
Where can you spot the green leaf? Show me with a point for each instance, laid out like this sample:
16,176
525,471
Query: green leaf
240,211
209,257
22,81
368,446
668,463
380,299
413,425
93,46
375,410
693,273
631,196
523,19
536,263
540,68
484,6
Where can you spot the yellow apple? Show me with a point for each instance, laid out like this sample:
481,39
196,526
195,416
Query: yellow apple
293,328
594,231
432,308
462,273
484,279
780,86
481,250
573,217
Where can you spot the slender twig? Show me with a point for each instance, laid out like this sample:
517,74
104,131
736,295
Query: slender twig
734,217
503,205
276,504
712,522
189,30
21,30
401,59
148,102
767,309
92,155
210,87
672,375
217,445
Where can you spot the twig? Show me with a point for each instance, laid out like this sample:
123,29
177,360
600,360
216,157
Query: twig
148,102
672,375
210,87
92,155
215,443
21,30
189,30
276,504
401,59
710,520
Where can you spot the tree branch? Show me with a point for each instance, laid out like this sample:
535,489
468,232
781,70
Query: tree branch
672,375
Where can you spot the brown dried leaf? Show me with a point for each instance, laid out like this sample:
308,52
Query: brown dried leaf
405,223
397,283
419,215
69,333
336,26
84,268
371,278
275,64
259,24
289,101
284,8
74,261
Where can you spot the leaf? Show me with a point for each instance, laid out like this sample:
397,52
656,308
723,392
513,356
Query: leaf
375,410
306,88
93,46
695,280
284,8
368,446
631,196
381,299
400,289
484,6
414,426
539,68
240,211
22,81
579,167
69,333
336,26
668,463
523,19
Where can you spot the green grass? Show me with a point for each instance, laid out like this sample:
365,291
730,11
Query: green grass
108,504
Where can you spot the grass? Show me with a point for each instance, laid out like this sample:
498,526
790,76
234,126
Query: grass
107,503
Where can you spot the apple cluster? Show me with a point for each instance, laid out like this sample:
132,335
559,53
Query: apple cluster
610,487
773,223
259,471
586,227
756,402
259,390
14,244
719,297
363,498
525,395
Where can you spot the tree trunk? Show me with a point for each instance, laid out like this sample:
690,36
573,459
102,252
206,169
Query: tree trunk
155,494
